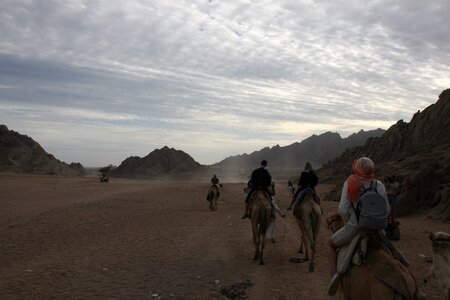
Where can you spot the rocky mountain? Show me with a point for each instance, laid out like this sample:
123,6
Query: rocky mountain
160,162
21,154
417,153
317,149
79,167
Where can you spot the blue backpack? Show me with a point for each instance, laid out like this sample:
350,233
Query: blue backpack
371,211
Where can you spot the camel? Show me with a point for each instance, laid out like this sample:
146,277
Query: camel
441,260
261,212
302,243
308,215
379,276
213,196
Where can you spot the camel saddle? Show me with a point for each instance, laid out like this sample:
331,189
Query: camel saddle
356,253
353,252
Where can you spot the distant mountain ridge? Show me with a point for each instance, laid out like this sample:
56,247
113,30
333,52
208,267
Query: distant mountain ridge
160,162
21,154
169,162
318,149
417,153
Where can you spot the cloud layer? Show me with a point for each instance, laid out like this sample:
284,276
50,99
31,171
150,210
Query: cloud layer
97,81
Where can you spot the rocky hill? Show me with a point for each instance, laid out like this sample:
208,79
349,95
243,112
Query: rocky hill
21,154
159,163
317,149
417,153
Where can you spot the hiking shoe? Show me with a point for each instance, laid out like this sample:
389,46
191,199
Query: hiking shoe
333,286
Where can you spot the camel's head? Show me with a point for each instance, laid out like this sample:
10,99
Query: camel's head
440,240
335,222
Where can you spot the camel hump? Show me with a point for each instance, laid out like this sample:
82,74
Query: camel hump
361,251
392,273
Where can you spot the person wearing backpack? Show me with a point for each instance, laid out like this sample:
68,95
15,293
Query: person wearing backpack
359,188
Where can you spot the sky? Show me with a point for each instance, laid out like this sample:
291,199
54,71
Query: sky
97,81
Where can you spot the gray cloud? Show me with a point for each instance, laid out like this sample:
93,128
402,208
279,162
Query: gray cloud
213,78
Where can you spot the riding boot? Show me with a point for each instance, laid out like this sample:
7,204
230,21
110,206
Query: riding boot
334,284
292,203
293,200
246,214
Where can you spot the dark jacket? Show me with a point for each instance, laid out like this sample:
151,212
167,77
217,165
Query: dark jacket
261,178
214,180
307,179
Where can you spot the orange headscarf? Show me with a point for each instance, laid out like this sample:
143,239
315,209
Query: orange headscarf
363,171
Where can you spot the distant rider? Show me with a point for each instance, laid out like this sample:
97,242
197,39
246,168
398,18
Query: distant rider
214,180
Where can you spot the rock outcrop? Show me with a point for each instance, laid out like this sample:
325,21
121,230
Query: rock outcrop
417,153
21,154
159,163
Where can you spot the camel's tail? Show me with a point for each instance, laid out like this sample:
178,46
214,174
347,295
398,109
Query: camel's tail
314,216
263,221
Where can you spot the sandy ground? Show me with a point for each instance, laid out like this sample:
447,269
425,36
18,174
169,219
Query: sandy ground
77,238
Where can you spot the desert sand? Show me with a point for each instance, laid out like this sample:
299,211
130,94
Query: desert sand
77,238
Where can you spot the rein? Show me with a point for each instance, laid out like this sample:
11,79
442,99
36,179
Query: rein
380,278
284,233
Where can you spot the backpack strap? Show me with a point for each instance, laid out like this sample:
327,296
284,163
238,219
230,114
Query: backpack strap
374,188
362,189
357,213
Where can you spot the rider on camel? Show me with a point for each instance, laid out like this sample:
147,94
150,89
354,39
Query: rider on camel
363,173
308,179
260,179
214,180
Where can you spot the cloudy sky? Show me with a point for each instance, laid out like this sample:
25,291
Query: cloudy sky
96,81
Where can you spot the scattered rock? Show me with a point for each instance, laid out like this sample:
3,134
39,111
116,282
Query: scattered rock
157,297
298,260
427,258
236,291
